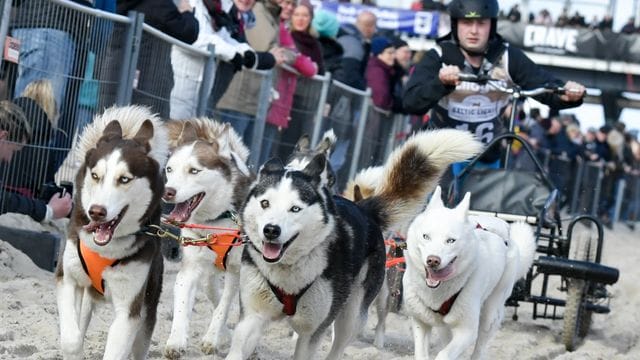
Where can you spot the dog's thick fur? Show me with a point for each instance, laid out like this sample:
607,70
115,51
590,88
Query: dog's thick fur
323,255
478,258
206,178
118,194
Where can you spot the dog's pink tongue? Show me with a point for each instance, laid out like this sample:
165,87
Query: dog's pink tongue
102,235
180,212
271,251
439,275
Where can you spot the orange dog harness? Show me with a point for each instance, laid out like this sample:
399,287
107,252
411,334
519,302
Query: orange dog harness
221,244
94,265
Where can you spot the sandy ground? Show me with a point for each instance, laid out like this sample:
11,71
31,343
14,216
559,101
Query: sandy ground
29,330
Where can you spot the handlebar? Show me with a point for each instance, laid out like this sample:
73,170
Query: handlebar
497,84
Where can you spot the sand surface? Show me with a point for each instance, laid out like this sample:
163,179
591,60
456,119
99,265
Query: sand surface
28,314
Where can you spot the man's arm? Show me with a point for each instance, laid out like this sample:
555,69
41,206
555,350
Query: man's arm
528,75
424,88
15,203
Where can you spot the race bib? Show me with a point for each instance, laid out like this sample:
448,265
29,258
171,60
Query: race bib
473,109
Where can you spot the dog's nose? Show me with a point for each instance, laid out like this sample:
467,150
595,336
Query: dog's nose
271,231
97,212
433,261
169,193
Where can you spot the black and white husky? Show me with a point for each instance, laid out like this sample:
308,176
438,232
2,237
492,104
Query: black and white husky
207,180
108,253
317,259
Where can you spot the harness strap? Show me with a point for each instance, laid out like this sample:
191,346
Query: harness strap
446,306
289,301
94,265
221,244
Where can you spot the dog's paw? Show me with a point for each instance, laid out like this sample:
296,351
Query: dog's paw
207,348
378,342
71,347
174,352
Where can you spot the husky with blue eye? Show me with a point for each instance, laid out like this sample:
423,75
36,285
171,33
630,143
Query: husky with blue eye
316,259
207,180
109,254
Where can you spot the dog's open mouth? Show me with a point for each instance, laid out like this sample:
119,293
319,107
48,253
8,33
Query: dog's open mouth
273,251
182,211
434,277
103,231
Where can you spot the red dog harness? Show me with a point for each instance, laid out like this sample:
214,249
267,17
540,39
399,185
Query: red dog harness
447,305
289,301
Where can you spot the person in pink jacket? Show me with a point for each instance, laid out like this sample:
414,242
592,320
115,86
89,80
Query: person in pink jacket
285,84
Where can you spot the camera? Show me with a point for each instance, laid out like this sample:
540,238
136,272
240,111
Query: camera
47,190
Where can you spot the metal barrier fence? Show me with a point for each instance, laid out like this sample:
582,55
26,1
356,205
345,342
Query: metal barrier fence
104,59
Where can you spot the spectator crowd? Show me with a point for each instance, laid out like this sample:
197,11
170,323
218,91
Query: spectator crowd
289,36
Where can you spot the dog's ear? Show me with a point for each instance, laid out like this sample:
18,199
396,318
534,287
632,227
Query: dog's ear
436,199
328,143
144,134
303,144
273,165
463,206
113,130
316,166
188,134
224,149
357,194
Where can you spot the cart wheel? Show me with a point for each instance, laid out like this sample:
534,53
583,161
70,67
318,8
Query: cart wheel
574,313
577,319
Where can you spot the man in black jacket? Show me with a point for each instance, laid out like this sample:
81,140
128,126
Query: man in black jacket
155,77
473,46
14,133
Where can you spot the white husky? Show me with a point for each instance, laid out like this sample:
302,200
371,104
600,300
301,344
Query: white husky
460,271
109,254
206,180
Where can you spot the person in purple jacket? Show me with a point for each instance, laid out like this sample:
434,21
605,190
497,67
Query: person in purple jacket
380,77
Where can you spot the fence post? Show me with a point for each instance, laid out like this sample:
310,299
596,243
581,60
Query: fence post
619,197
577,184
360,134
208,77
261,118
322,102
597,190
4,24
130,58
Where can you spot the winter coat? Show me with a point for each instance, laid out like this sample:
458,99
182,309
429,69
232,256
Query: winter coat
188,68
331,54
286,81
309,45
242,94
31,167
380,77
354,59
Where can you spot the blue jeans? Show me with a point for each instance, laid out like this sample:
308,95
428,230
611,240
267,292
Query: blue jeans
240,122
269,138
45,54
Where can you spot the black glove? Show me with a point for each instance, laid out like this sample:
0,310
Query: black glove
237,62
249,59
266,60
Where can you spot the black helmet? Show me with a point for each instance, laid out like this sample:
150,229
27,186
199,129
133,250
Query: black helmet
473,9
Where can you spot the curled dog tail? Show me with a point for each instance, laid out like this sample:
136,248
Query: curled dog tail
413,170
521,235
